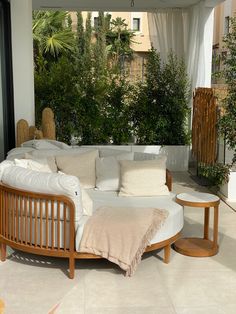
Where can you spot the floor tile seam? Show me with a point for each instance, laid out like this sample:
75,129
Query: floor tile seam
203,306
69,292
130,307
204,271
165,288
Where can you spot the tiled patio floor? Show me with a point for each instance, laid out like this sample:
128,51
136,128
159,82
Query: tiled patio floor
30,284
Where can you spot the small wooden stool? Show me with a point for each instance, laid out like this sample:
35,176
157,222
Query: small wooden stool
200,247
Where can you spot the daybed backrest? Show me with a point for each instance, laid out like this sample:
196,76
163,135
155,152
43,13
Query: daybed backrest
44,221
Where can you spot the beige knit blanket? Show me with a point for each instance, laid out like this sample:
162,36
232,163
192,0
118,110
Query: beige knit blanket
121,234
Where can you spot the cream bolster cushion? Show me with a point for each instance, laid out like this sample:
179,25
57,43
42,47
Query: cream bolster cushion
108,171
46,144
143,178
40,144
81,165
5,164
43,182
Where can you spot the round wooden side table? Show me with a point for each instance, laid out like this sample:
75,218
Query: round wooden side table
200,247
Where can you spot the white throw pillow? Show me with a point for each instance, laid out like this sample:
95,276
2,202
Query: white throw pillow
81,166
37,165
143,178
42,182
108,171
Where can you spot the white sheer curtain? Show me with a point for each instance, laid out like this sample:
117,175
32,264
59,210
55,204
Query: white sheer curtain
189,33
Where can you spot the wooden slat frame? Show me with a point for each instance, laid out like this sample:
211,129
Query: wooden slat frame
204,126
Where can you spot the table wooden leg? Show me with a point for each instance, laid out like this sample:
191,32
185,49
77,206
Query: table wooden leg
206,223
215,227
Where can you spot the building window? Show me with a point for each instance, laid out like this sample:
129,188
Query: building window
95,22
136,24
226,25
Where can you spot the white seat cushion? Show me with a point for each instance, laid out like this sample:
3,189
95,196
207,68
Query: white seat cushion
173,224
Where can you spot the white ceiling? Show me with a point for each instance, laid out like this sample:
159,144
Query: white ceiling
116,5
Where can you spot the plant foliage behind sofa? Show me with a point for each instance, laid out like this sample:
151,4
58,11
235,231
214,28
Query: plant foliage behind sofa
97,104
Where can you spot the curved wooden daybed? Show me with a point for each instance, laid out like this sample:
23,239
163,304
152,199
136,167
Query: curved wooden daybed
19,228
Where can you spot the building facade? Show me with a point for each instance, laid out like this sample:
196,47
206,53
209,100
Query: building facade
222,15
136,22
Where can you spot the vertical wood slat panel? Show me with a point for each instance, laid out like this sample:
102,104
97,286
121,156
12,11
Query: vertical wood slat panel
204,135
35,222
10,214
31,220
26,202
3,214
41,222
64,224
13,216
21,219
6,215
17,218
58,224
46,224
52,228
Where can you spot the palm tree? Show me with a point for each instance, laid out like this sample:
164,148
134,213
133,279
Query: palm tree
52,34
119,40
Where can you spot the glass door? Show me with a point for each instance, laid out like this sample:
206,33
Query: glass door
7,125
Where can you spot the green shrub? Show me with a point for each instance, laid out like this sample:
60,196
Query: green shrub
160,108
216,174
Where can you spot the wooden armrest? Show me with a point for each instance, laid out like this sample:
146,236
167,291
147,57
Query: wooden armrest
169,180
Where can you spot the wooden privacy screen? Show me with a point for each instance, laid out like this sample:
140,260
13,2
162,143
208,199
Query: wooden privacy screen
204,126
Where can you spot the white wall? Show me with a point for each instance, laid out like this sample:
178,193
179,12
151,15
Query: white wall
22,50
177,155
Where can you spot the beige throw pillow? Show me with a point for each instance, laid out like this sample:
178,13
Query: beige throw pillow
81,166
143,178
50,160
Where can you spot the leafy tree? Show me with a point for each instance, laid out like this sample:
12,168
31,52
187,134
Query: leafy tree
100,51
160,107
227,124
119,40
56,88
